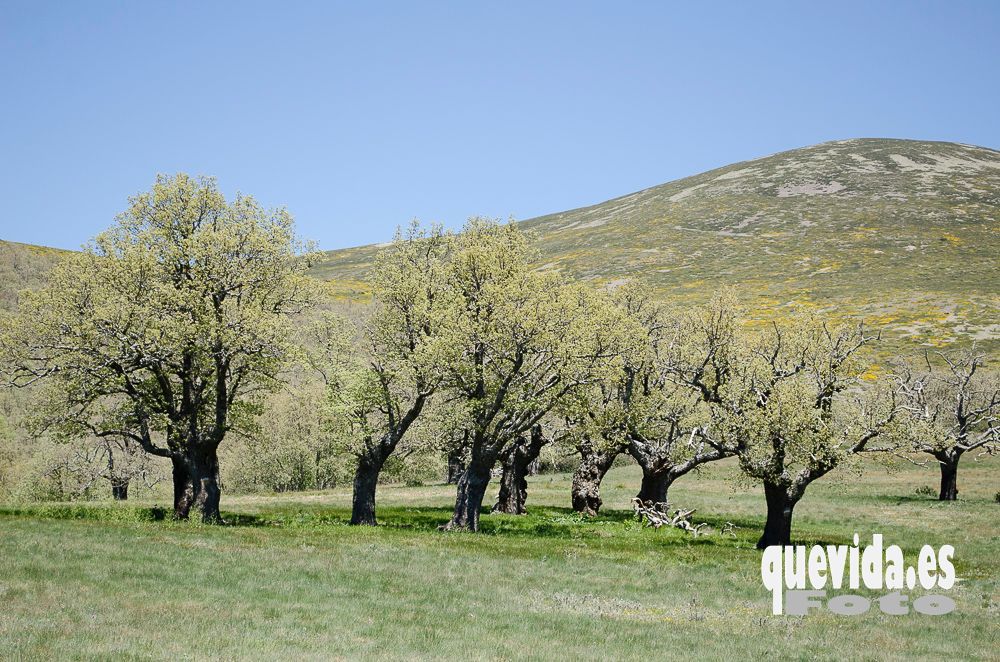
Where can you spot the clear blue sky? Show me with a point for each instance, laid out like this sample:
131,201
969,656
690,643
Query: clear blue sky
361,116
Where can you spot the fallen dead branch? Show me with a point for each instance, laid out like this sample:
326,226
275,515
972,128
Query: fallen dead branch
655,516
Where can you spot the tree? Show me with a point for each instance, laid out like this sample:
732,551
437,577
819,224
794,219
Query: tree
597,455
663,414
119,461
641,407
524,340
788,401
76,467
289,448
515,461
663,437
167,329
596,424
953,409
379,394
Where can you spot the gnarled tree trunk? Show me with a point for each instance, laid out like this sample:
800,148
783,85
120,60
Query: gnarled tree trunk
657,474
654,488
586,490
183,488
949,478
197,485
472,486
660,469
204,464
513,482
370,463
366,481
363,501
119,489
778,526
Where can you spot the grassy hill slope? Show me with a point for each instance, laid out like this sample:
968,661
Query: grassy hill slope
905,233
22,267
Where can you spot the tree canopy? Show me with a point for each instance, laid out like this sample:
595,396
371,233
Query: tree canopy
167,328
788,400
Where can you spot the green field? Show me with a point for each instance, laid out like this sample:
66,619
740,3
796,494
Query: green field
288,579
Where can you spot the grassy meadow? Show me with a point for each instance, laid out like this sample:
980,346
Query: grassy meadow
289,579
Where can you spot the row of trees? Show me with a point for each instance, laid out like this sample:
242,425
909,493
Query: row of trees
169,332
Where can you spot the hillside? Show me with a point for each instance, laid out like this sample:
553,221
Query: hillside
22,267
905,233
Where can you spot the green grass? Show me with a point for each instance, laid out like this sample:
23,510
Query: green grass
23,266
289,579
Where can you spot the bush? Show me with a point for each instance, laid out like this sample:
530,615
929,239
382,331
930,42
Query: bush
926,490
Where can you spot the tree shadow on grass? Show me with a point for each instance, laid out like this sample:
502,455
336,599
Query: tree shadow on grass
541,521
72,511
